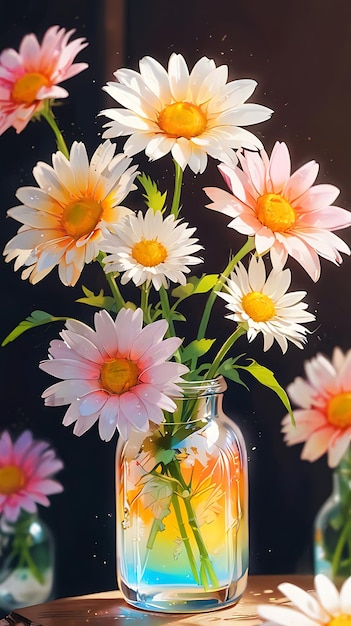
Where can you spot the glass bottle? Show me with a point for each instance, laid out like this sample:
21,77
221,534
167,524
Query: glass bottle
332,528
26,562
182,499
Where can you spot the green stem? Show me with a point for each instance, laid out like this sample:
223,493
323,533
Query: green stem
21,547
245,249
224,349
119,300
144,303
204,556
343,539
166,314
178,177
166,311
48,115
185,538
32,566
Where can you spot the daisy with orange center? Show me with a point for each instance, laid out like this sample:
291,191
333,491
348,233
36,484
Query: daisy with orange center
261,304
323,416
190,114
117,374
285,213
65,218
31,76
27,468
150,249
327,606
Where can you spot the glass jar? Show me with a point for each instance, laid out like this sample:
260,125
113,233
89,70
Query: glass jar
26,562
182,500
332,529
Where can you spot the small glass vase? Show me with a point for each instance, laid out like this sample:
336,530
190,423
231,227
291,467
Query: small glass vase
182,498
332,528
26,562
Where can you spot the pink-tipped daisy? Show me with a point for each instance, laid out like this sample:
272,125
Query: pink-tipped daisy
286,213
27,467
323,420
264,305
191,115
118,373
31,76
65,218
148,248
327,606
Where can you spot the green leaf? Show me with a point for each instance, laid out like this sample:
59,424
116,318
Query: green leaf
178,317
37,318
156,495
153,197
100,301
206,283
195,285
183,291
266,377
229,370
196,348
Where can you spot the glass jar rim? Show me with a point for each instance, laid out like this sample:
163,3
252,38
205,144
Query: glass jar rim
201,387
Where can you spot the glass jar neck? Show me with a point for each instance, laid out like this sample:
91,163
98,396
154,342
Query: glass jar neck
202,388
199,399
342,474
21,525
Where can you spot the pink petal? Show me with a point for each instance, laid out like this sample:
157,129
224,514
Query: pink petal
108,420
280,167
93,403
317,444
150,335
71,369
317,197
338,447
300,181
83,424
134,411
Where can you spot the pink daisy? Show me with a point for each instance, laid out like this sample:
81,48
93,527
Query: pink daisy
116,374
26,470
31,75
324,420
286,213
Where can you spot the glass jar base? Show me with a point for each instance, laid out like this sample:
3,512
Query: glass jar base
179,599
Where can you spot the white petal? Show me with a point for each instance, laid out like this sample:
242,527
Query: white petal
327,593
345,597
284,616
304,601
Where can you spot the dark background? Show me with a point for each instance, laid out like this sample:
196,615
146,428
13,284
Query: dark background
300,54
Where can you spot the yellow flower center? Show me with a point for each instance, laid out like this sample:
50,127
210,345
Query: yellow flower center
119,375
149,252
182,119
275,212
258,306
339,410
12,479
80,217
341,620
26,88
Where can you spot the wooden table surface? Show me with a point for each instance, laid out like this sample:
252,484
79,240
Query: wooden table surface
102,609
108,607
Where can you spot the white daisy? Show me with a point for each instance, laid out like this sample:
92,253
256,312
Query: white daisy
148,248
191,115
327,606
263,305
